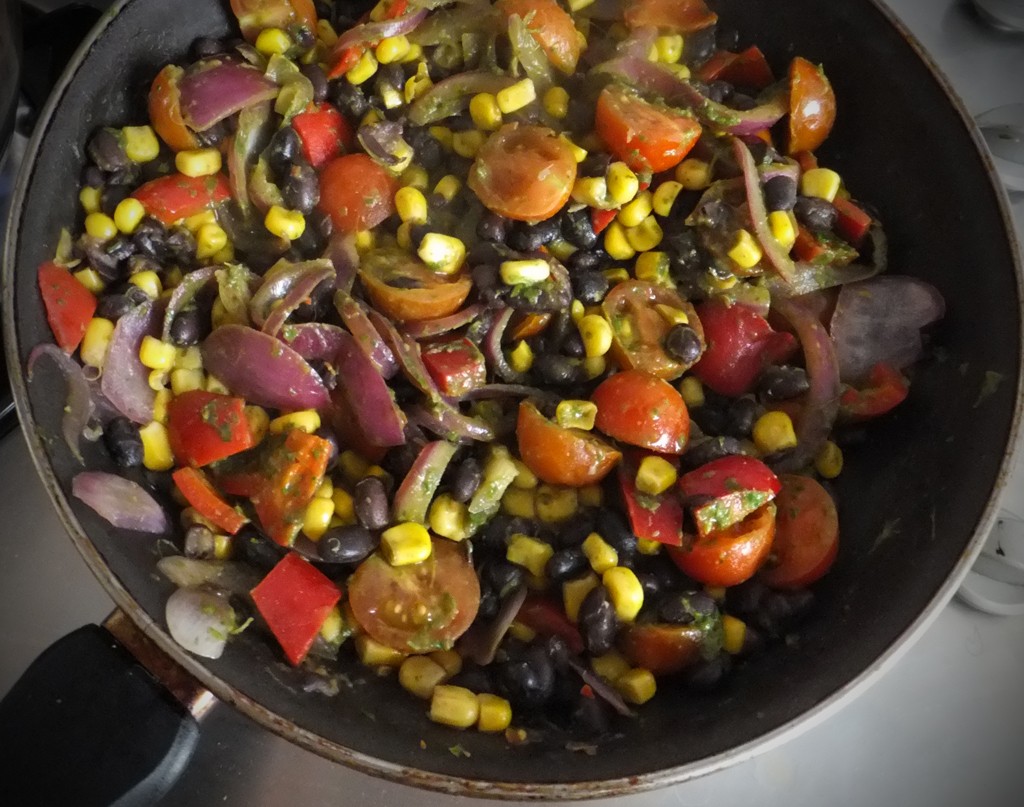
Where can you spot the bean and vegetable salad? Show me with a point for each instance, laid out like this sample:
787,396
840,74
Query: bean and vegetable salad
506,345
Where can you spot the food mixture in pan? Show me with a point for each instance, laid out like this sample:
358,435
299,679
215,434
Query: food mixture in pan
507,345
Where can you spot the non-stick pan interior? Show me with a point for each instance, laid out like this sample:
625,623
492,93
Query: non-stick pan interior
911,497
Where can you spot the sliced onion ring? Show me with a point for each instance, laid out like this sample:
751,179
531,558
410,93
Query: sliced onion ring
216,92
125,504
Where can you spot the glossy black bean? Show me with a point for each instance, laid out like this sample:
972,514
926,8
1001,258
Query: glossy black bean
527,682
371,503
187,328
429,153
326,433
465,480
492,227
566,563
300,188
108,266
199,542
417,233
816,214
321,222
682,343
503,576
686,256
711,448
557,370
782,382
597,621
113,306
707,674
182,246
349,99
699,45
121,436
746,598
726,38
587,260
105,149
780,193
719,91
686,607
150,238
112,195
709,419
574,532
284,148
310,244
590,718
557,651
489,604
318,79
652,585
92,177
257,549
595,164
578,229
349,545
474,678
120,248
214,135
589,286
206,46
740,417
615,530
572,346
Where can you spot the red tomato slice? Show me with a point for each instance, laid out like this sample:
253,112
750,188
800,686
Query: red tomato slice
294,599
740,344
324,133
547,617
406,290
560,456
729,557
653,518
165,110
852,222
748,68
684,16
886,389
806,534
203,496
356,192
523,172
176,196
725,491
812,106
204,427
640,134
255,15
551,26
418,608
69,305
457,365
662,649
642,410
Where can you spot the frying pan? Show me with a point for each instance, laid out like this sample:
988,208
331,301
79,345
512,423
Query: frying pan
915,500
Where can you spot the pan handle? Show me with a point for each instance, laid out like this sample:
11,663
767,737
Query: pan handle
102,717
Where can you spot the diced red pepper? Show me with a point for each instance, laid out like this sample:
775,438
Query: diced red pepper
822,249
203,496
600,219
69,305
293,470
324,134
653,518
852,223
457,365
886,389
547,618
176,196
530,324
345,61
806,160
748,69
396,9
203,427
294,599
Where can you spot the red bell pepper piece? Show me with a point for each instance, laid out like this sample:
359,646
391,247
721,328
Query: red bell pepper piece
852,223
292,471
547,618
725,491
653,518
600,219
203,427
345,61
806,160
69,305
457,365
294,599
324,133
176,196
748,69
203,496
822,249
886,389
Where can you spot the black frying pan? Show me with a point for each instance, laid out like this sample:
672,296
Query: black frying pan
915,500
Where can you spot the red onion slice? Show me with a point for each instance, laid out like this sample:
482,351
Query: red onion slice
446,421
184,293
414,495
370,32
480,643
494,353
200,621
407,351
125,504
773,251
313,340
342,253
126,384
79,406
368,395
280,282
353,314
427,328
214,93
315,273
252,133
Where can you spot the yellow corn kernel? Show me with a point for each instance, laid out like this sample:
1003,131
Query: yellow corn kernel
317,518
600,553
636,211
101,226
307,420
140,143
189,358
90,199
186,380
91,279
96,341
592,191
823,183
392,49
521,357
637,686
467,143
530,270
411,205
575,591
692,391
624,591
127,215
517,630
449,518
646,235
733,633
554,503
379,11
332,626
594,366
616,244
210,239
417,85
454,706
483,109
745,251
344,507
349,618
325,33
365,240
449,660
591,496
623,184
371,117
214,384
693,174
577,310
415,53
516,96
654,268
518,502
416,177
772,432
616,275
172,278
531,554
353,466
374,654
419,675
405,544
579,5
556,102
671,315
678,69
525,479
326,489
448,186
495,713
403,235
288,224
158,379
273,41
610,666
442,253
655,475
157,354
443,135
198,162
783,228
829,462
648,546
160,401
156,448
596,333
561,249
665,196
571,414
720,283
669,48
363,69
223,546
258,420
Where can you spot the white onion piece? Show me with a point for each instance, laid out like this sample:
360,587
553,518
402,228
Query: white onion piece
200,621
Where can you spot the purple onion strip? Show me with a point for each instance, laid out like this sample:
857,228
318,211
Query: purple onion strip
370,32
424,329
777,257
210,95
494,353
79,407
125,504
126,384
353,314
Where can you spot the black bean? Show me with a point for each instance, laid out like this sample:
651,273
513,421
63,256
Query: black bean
199,542
321,222
114,306
816,214
699,45
257,549
616,531
112,195
651,583
587,260
429,153
371,503
780,193
326,433
301,188
597,621
557,370
541,233
328,372
474,678
589,287
206,46
709,419
304,38
686,607
182,246
740,417
578,229
572,346
708,674
719,91
503,576
214,134
558,652
492,227
120,248
529,681
122,439
318,79
595,164
150,238
566,563
684,251
349,99
489,604
682,343
105,149
349,545
465,480
187,328
711,448
92,177
746,597
727,38
107,265
285,147
782,382
576,531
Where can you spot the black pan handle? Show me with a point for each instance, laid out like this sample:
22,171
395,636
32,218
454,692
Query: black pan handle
89,724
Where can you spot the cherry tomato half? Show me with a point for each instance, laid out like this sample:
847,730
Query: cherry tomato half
562,456
684,16
356,193
165,110
523,172
406,290
812,106
725,491
729,557
642,410
640,134
806,534
175,196
551,26
662,649
424,606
